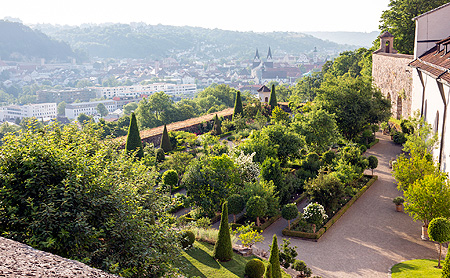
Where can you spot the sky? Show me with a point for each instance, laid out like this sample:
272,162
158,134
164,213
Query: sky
236,15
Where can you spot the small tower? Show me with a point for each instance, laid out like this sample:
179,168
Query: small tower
256,60
387,43
269,63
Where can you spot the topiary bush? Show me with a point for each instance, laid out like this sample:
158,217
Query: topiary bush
160,155
399,138
439,231
223,251
274,258
254,268
187,239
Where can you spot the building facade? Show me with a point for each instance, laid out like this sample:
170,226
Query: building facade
43,111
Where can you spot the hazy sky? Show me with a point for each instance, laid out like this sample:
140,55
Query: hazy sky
242,15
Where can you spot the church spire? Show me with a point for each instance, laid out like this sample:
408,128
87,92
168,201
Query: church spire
269,54
257,55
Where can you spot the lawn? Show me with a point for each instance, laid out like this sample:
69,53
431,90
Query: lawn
416,269
198,262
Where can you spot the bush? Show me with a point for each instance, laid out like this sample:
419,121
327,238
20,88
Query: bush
439,231
301,267
187,239
160,155
254,268
327,157
170,178
446,267
399,138
363,148
398,200
314,213
327,190
274,258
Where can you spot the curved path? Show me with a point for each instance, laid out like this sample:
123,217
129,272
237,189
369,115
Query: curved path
370,237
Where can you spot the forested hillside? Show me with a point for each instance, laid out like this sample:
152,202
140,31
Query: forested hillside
19,42
139,40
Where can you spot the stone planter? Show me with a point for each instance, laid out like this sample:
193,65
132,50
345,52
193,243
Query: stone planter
424,233
399,207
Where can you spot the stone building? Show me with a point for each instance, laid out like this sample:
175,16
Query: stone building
392,75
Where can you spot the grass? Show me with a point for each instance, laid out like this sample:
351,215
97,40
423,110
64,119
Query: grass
416,269
198,262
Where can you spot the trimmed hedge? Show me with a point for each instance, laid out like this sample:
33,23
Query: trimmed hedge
254,268
316,236
373,143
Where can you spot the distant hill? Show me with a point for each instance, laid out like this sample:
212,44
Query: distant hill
352,38
21,43
139,40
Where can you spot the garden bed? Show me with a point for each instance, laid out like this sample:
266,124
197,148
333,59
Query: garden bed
316,236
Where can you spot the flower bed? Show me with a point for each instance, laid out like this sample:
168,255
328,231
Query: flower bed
316,236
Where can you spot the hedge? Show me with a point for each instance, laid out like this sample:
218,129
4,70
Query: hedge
373,143
316,236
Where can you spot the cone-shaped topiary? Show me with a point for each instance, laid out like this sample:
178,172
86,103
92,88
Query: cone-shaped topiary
134,139
273,98
446,267
238,105
268,273
165,141
223,251
274,259
217,128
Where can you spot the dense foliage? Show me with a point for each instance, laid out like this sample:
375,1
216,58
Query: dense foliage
254,268
223,250
66,192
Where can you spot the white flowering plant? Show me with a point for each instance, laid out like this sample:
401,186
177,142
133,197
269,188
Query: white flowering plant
248,170
314,213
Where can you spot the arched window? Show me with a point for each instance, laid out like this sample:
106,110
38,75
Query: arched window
266,99
388,48
399,107
436,122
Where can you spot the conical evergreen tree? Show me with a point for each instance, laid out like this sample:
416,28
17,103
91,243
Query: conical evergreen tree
223,251
217,128
273,98
165,141
274,259
238,105
134,139
268,273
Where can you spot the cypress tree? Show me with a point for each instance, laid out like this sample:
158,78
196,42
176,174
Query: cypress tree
165,141
274,259
273,98
223,251
134,139
217,128
238,105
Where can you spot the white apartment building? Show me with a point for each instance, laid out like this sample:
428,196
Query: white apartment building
44,111
73,110
138,90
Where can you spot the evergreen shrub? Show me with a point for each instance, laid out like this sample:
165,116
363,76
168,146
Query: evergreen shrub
223,251
254,268
160,155
187,239
274,258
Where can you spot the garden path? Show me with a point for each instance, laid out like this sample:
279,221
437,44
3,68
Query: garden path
370,237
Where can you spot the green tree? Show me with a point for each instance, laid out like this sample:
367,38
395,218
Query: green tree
129,107
289,212
287,142
408,170
373,162
287,253
327,190
209,180
301,267
319,129
134,143
439,231
170,178
237,204
238,110
217,128
67,192
165,141
256,208
274,258
273,98
61,108
279,116
83,119
101,109
266,190
355,103
223,250
398,20
428,198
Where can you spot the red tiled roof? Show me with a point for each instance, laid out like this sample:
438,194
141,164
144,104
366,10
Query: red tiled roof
435,61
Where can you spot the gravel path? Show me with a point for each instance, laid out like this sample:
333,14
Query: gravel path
20,260
370,237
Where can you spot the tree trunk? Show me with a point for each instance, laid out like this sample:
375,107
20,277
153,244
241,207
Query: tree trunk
372,172
314,228
257,221
440,251
289,224
234,218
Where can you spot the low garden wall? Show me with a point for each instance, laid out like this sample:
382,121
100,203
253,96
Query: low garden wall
316,236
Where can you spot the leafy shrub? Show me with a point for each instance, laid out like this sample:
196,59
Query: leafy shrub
314,213
399,138
187,239
274,258
81,198
446,267
170,177
301,267
289,212
254,268
327,190
160,155
287,253
363,148
398,200
439,231
327,157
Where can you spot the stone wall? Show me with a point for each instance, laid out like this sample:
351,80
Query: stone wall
392,75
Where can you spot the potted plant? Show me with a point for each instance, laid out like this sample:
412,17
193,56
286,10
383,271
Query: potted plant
384,128
398,201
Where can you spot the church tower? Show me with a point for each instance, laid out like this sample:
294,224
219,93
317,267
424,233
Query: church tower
256,60
269,62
